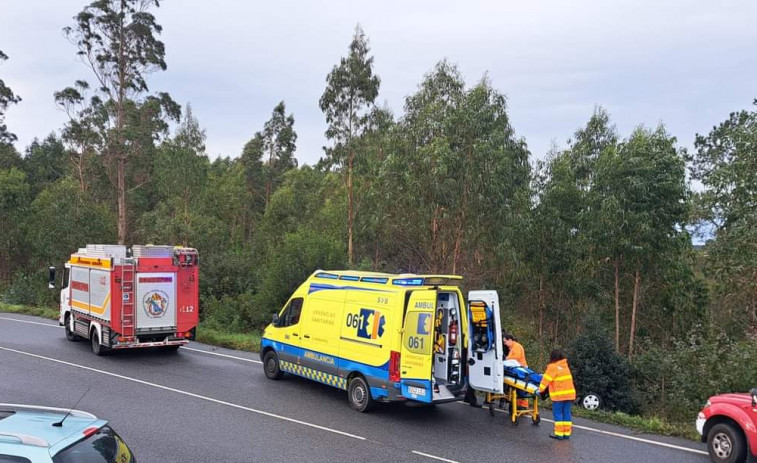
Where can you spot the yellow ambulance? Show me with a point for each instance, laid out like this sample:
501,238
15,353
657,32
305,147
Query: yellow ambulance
384,337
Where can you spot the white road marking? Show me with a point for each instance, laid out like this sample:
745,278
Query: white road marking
432,456
183,348
624,436
190,394
32,323
222,355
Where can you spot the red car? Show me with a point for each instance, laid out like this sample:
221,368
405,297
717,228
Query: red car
728,423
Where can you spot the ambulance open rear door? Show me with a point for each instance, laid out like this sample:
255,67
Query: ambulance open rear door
416,358
485,362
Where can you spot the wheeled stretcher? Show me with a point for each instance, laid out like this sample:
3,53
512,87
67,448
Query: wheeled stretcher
521,384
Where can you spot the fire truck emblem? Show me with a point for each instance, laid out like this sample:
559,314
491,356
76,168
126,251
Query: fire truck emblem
155,303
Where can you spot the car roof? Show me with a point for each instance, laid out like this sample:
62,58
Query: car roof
29,432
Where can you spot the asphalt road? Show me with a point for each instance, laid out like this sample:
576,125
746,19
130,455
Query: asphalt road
205,404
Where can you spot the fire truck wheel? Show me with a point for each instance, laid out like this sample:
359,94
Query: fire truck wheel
98,348
70,335
271,366
359,395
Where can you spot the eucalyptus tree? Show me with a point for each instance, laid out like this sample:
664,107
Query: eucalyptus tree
351,90
639,207
118,41
422,168
591,155
270,154
14,203
179,176
7,98
725,162
465,173
375,221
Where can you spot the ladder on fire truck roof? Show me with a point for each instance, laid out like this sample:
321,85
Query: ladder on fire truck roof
128,314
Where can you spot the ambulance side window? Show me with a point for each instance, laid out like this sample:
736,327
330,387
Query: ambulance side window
291,315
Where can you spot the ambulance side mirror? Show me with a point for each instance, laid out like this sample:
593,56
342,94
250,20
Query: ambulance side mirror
275,320
51,278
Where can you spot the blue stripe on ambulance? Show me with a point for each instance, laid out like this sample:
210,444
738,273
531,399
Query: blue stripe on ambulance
324,287
380,373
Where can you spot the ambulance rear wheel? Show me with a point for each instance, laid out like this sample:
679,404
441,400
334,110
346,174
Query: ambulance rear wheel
70,335
271,366
359,395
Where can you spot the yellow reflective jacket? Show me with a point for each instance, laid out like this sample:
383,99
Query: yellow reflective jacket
560,382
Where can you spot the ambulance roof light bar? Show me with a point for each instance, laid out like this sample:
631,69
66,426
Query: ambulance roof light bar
417,281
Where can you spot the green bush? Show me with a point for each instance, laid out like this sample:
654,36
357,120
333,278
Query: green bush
30,288
676,380
291,262
227,313
598,369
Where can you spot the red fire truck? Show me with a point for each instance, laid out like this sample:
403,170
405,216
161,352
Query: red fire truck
119,297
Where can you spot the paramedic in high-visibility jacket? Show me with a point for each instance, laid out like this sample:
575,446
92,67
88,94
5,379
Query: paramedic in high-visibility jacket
516,350
518,353
562,391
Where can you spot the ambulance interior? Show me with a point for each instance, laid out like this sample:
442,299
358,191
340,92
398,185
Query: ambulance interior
447,348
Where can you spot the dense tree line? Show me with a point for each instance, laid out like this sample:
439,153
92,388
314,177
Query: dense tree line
597,234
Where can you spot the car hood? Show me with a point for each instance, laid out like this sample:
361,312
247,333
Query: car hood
736,398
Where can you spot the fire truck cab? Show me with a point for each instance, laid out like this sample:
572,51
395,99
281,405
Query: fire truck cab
119,297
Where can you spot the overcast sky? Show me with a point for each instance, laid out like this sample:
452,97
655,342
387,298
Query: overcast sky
685,63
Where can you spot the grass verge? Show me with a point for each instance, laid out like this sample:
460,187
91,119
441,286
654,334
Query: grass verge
44,312
205,334
240,341
651,425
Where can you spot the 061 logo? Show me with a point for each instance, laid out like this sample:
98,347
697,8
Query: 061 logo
369,323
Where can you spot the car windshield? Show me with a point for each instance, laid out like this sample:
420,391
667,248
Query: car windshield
105,446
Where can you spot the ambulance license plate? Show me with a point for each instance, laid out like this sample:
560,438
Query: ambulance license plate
416,390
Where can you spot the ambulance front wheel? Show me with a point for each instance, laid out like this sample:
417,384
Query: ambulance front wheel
271,366
359,395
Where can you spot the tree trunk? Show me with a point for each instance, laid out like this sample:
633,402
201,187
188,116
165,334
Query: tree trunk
459,238
434,236
636,284
78,162
268,179
461,217
541,309
121,186
120,154
617,303
350,218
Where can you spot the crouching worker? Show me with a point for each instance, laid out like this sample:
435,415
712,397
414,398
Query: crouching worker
559,381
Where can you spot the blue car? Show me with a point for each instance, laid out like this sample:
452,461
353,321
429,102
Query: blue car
55,435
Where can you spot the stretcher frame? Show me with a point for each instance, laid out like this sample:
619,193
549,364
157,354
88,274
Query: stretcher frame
510,395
